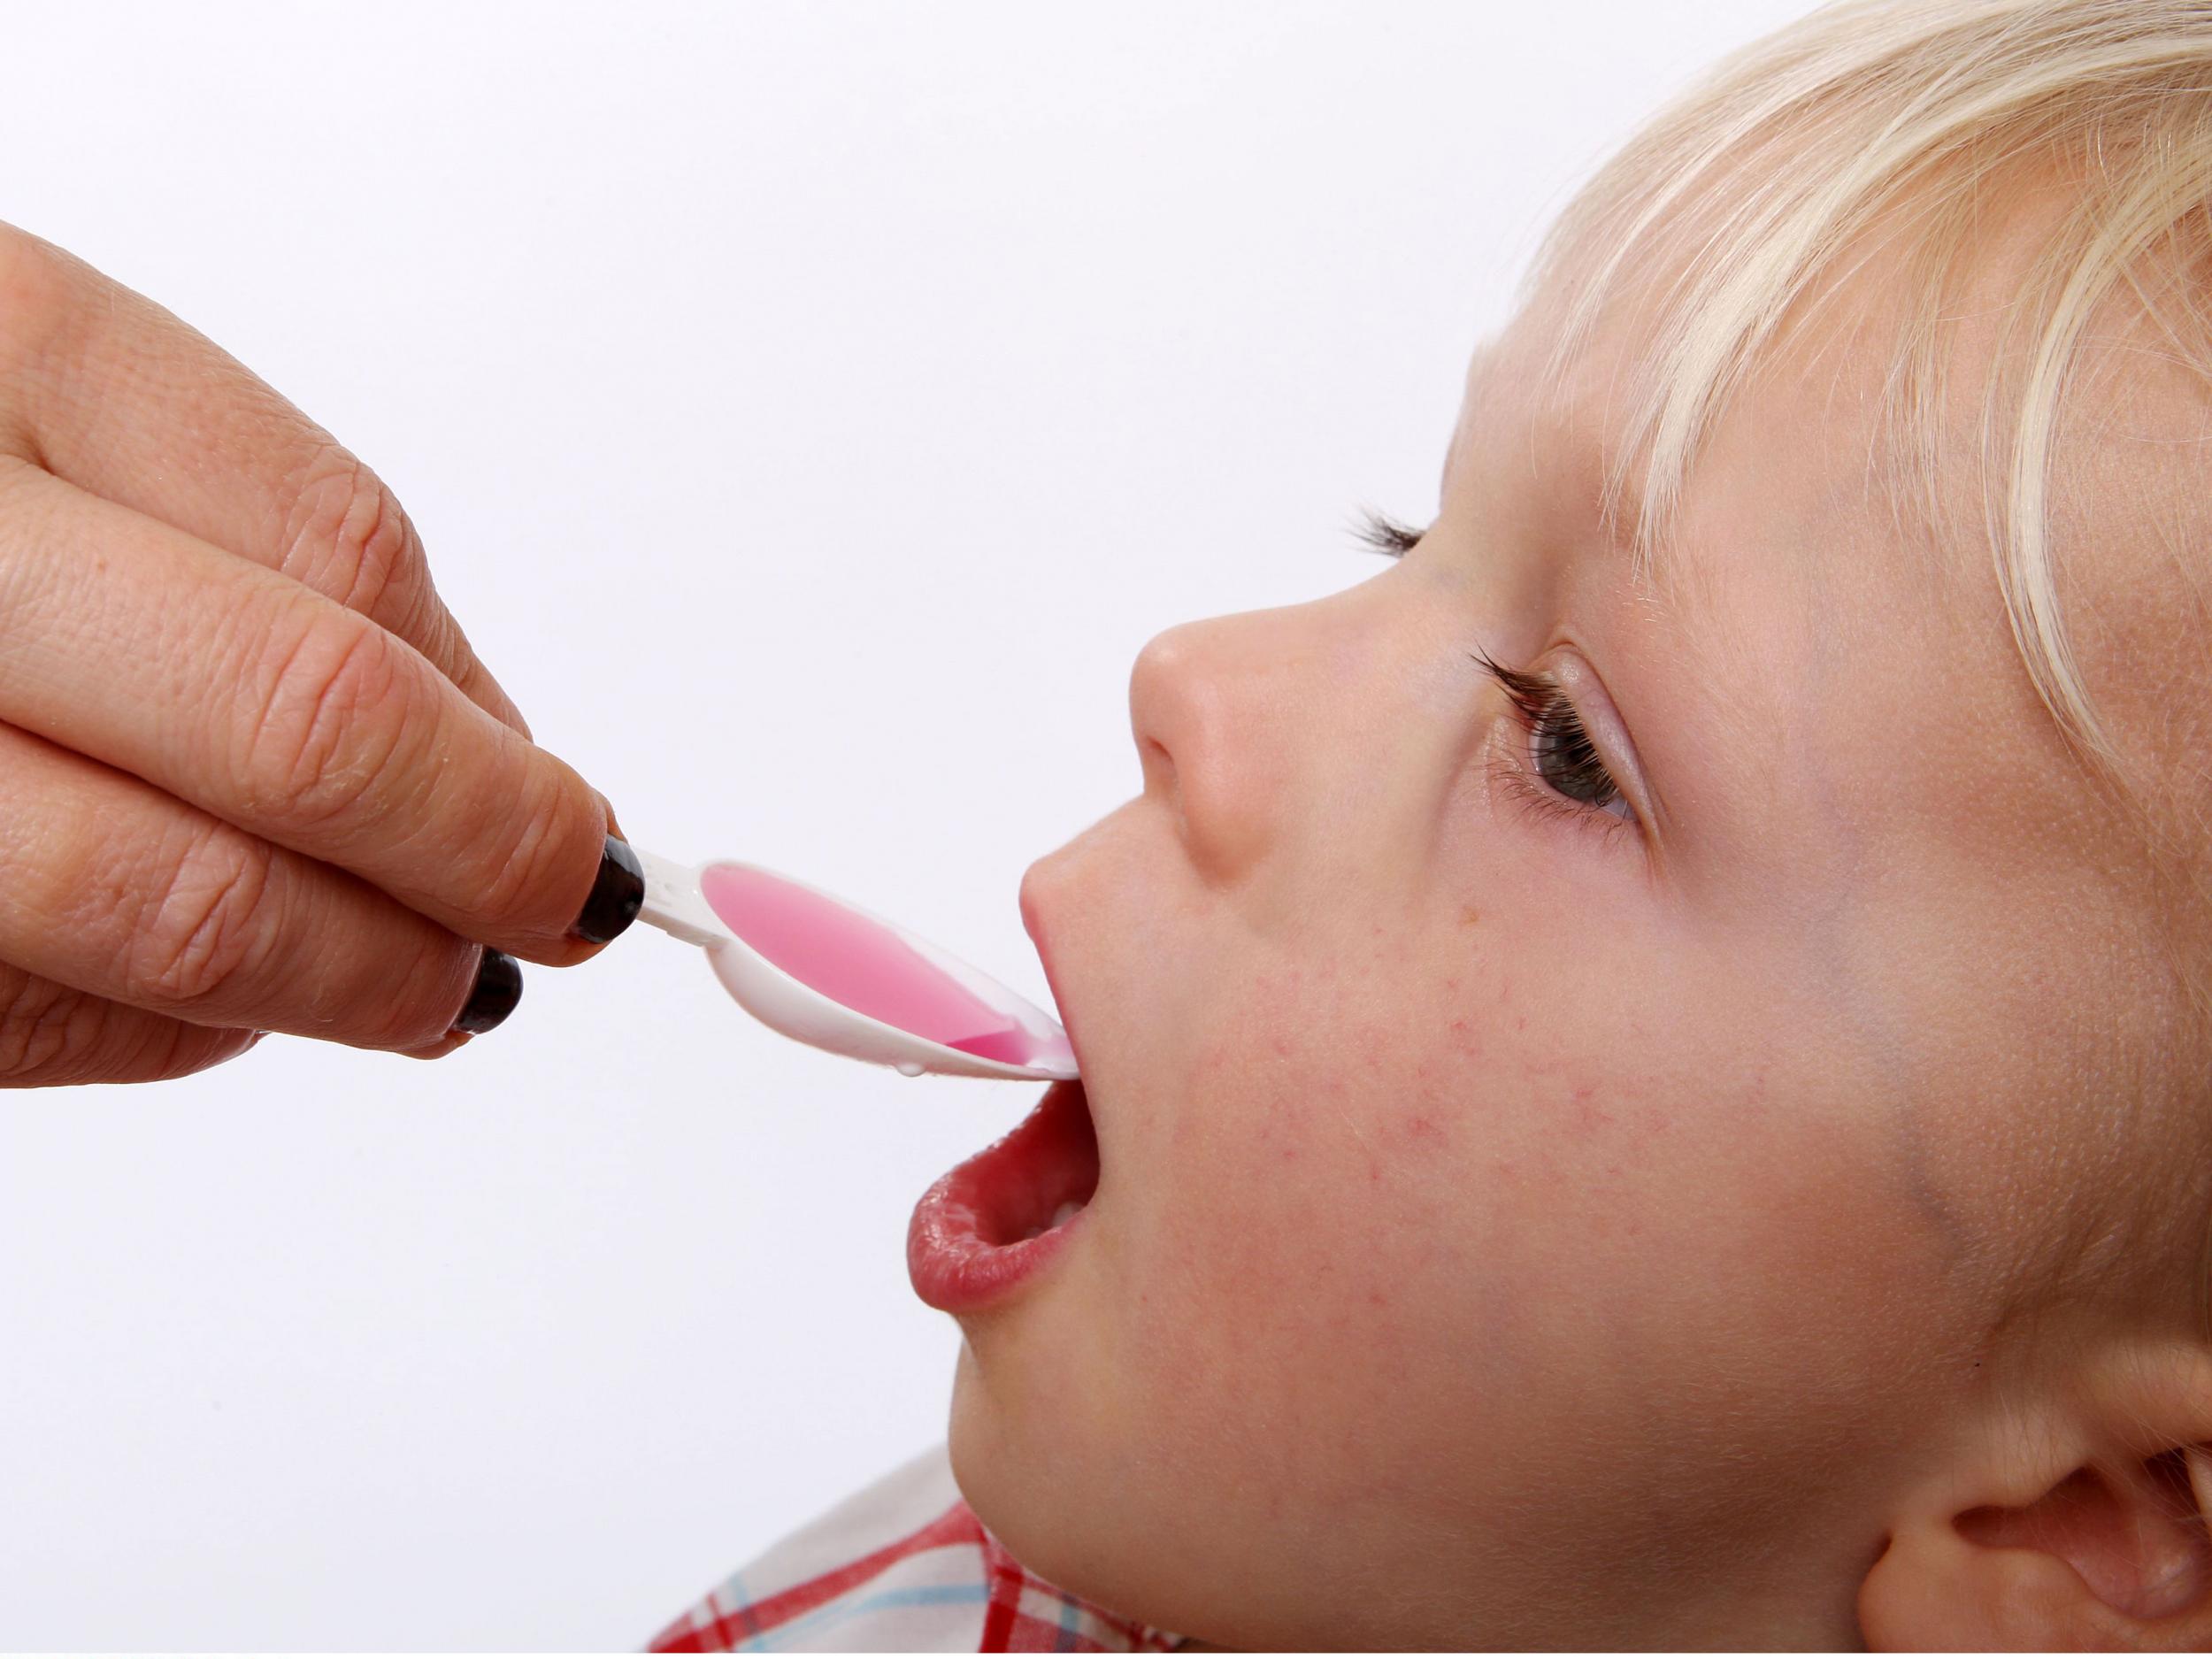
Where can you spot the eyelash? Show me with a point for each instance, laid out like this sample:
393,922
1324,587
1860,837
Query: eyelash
1379,533
1541,709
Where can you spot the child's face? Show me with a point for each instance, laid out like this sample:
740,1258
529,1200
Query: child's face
1517,1221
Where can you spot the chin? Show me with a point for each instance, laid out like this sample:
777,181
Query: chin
1088,1527
1048,1515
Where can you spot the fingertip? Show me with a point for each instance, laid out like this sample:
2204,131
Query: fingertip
439,1049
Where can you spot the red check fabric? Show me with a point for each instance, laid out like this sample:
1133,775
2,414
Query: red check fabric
901,1567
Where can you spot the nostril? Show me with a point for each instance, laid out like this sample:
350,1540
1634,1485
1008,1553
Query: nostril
1158,764
1162,683
1161,782
1201,697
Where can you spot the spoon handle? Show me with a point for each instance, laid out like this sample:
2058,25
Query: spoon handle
673,902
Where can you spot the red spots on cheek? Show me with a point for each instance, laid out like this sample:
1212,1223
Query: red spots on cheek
1588,1116
1422,1127
1215,1057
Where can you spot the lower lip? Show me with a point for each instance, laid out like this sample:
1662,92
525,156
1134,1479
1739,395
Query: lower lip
964,1248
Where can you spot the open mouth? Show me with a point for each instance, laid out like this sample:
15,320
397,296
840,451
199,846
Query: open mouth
995,1221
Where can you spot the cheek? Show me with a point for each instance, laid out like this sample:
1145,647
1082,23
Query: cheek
1424,1204
1323,1208
1381,1104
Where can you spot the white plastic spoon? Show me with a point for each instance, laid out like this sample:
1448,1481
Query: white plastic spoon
809,964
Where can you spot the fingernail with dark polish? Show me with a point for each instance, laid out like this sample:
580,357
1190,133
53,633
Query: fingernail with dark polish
615,896
498,988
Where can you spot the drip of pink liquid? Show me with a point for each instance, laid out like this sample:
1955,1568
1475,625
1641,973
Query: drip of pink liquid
855,961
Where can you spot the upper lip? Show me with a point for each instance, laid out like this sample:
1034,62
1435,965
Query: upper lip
1035,928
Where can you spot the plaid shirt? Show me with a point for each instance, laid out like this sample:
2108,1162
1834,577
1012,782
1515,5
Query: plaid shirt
904,1566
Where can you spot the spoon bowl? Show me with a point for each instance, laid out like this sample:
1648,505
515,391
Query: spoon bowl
829,973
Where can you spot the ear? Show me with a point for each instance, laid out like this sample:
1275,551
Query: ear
2074,1525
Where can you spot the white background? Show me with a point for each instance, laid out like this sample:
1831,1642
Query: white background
809,412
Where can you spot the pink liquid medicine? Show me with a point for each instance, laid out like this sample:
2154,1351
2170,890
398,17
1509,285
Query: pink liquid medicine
852,960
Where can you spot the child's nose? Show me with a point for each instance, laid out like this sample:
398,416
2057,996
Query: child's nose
1209,704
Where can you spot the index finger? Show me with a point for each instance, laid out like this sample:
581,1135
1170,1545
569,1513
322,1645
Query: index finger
106,389
281,713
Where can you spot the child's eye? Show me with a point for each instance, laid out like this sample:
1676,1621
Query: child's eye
1564,757
1560,753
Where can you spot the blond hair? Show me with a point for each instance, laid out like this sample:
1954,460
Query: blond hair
1907,109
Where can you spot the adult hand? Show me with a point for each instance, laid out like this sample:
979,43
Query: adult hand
252,778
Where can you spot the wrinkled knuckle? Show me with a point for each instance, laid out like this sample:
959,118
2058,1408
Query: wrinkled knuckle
50,1033
350,540
207,927
328,723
